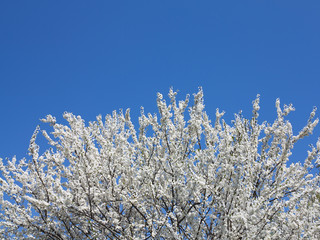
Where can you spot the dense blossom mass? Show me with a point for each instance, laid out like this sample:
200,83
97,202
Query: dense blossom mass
177,176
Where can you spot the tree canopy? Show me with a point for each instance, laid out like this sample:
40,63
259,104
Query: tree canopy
177,176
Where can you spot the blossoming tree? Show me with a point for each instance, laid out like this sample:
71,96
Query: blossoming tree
172,178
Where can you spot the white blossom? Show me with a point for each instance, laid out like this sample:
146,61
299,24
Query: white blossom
172,177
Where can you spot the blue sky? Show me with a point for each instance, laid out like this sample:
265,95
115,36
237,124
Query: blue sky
93,57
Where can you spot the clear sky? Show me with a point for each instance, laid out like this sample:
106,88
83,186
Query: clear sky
93,57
